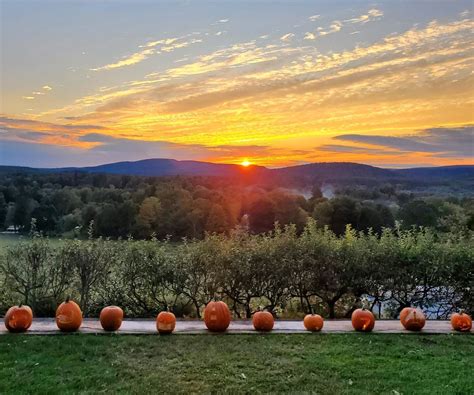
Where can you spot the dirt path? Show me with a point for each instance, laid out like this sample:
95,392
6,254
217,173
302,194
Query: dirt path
47,326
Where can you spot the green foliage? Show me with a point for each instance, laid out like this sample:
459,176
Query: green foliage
284,271
145,207
341,211
33,273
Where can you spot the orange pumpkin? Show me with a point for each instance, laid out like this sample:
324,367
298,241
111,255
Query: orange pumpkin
263,321
165,322
111,318
461,322
313,322
404,313
68,316
18,318
412,319
217,316
363,320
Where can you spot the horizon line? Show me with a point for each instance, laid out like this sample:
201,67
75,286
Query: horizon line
234,164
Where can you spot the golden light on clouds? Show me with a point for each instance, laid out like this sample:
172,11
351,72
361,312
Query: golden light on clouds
280,98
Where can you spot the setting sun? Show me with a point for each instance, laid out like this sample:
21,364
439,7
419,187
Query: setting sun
246,163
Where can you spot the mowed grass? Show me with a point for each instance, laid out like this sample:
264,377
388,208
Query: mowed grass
274,363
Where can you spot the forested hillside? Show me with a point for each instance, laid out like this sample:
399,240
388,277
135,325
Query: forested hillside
64,204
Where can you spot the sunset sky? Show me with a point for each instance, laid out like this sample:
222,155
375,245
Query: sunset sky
275,83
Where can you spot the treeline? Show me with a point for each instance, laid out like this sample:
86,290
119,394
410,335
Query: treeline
142,207
286,272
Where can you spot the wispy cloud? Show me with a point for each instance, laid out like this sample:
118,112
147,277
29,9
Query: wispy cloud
18,129
34,94
220,21
441,142
372,14
313,18
287,37
346,149
148,49
166,41
336,26
333,28
36,148
37,145
265,92
174,46
135,58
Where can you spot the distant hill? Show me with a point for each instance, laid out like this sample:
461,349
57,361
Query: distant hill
439,172
165,167
20,169
334,171
330,171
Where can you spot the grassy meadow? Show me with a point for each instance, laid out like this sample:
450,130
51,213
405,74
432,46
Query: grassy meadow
8,240
12,239
323,364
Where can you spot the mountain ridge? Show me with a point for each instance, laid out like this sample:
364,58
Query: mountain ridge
159,167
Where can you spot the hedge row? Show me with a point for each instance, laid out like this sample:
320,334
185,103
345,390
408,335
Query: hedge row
285,272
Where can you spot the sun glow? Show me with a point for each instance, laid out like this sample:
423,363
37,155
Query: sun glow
245,163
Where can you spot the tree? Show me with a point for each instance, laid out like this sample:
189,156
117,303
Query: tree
418,213
337,213
374,217
177,203
217,220
24,206
3,210
34,274
288,209
261,215
46,218
89,214
65,201
9,217
149,214
91,261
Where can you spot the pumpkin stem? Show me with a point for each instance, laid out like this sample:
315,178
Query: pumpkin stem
461,312
21,304
67,299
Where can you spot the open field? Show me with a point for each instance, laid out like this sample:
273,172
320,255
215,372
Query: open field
7,240
326,364
12,239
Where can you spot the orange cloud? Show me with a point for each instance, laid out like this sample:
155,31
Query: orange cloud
266,94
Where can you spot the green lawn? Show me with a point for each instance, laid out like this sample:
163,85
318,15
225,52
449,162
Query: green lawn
319,363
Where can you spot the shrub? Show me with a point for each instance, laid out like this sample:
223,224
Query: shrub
283,271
